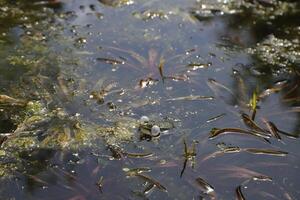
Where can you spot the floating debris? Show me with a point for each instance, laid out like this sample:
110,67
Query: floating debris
270,152
138,170
138,155
241,172
261,178
276,88
215,118
180,77
119,153
191,98
153,181
230,150
10,101
216,132
208,189
149,180
252,125
195,66
275,129
147,82
111,61
272,129
223,151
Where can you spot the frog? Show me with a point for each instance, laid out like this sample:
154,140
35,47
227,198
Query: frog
153,128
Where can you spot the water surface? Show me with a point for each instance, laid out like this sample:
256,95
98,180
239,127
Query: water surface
197,64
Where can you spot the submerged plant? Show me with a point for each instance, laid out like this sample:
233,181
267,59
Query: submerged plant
189,155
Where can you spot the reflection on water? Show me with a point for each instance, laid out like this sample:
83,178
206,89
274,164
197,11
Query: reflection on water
147,99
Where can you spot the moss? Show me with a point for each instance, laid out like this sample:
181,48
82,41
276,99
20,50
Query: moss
34,107
56,138
20,143
80,136
2,153
6,169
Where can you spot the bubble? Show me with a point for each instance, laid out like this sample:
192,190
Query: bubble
144,119
126,169
155,130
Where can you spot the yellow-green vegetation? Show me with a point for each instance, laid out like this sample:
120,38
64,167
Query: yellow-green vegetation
122,131
6,169
60,134
21,143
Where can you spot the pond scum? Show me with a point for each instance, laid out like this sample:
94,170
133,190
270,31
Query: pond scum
144,113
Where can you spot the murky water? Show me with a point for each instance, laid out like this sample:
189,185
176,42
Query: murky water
77,76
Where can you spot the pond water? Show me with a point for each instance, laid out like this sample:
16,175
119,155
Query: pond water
148,99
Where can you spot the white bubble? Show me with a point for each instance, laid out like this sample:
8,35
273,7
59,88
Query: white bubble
155,130
144,119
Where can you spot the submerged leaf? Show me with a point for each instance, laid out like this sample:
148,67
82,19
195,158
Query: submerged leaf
272,129
191,98
152,181
10,101
266,152
252,125
239,194
222,92
276,88
242,89
205,185
216,132
215,118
